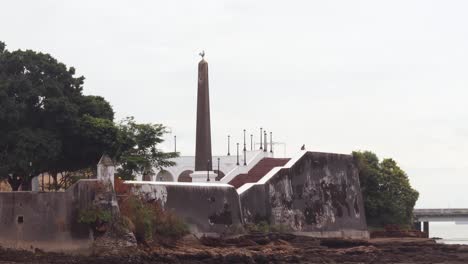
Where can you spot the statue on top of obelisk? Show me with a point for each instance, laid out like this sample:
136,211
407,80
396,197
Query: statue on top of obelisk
203,157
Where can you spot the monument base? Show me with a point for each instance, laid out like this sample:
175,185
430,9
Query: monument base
201,176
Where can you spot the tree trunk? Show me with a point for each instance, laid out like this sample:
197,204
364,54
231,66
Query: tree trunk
26,184
55,183
15,182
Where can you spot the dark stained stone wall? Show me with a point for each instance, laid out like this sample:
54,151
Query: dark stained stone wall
206,208
319,194
48,220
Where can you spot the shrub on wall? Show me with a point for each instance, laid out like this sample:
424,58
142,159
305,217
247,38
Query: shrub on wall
95,217
150,222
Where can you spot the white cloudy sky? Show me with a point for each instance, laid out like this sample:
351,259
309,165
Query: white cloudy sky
338,76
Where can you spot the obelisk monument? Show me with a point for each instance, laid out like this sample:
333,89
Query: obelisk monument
203,158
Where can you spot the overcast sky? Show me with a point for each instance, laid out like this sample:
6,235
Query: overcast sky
338,76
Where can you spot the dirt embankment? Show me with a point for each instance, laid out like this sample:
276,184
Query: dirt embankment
272,248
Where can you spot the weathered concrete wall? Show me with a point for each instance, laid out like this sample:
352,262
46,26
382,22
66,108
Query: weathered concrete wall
208,208
316,194
49,220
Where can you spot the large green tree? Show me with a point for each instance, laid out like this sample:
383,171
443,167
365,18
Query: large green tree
388,196
47,124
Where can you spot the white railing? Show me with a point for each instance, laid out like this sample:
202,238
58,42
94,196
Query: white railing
257,157
272,173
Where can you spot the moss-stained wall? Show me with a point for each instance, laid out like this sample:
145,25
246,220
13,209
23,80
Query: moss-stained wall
319,194
316,194
48,220
207,208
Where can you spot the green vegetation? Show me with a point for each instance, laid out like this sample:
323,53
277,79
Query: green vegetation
144,158
49,126
95,217
150,222
387,193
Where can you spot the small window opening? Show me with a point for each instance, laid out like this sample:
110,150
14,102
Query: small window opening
20,219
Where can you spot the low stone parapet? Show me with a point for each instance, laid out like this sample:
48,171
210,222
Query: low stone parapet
207,208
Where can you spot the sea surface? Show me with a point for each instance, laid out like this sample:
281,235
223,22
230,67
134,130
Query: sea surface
450,233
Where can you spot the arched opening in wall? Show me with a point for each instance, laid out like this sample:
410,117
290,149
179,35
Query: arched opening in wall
146,177
164,176
185,176
220,175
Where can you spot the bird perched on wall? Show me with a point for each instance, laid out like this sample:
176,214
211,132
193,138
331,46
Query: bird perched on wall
202,54
303,147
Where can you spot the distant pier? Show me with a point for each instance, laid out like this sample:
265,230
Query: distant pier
424,216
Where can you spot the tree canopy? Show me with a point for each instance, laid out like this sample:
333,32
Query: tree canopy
49,125
387,193
138,153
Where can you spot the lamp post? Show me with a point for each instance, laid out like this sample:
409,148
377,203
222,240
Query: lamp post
229,145
208,171
175,143
251,142
237,154
266,142
218,166
261,140
245,148
271,142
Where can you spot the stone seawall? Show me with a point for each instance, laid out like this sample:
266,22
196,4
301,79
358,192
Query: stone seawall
208,208
317,194
48,220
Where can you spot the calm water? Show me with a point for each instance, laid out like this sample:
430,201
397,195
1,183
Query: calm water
450,233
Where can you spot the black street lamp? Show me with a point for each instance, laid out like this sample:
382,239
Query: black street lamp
175,143
245,145
218,166
229,145
265,143
237,154
271,142
261,139
251,142
208,171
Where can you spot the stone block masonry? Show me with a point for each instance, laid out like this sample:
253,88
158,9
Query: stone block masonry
49,220
317,194
314,194
207,208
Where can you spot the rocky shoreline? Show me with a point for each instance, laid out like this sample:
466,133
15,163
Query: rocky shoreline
267,248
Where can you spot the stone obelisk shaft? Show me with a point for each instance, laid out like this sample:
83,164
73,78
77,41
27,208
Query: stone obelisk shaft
203,158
